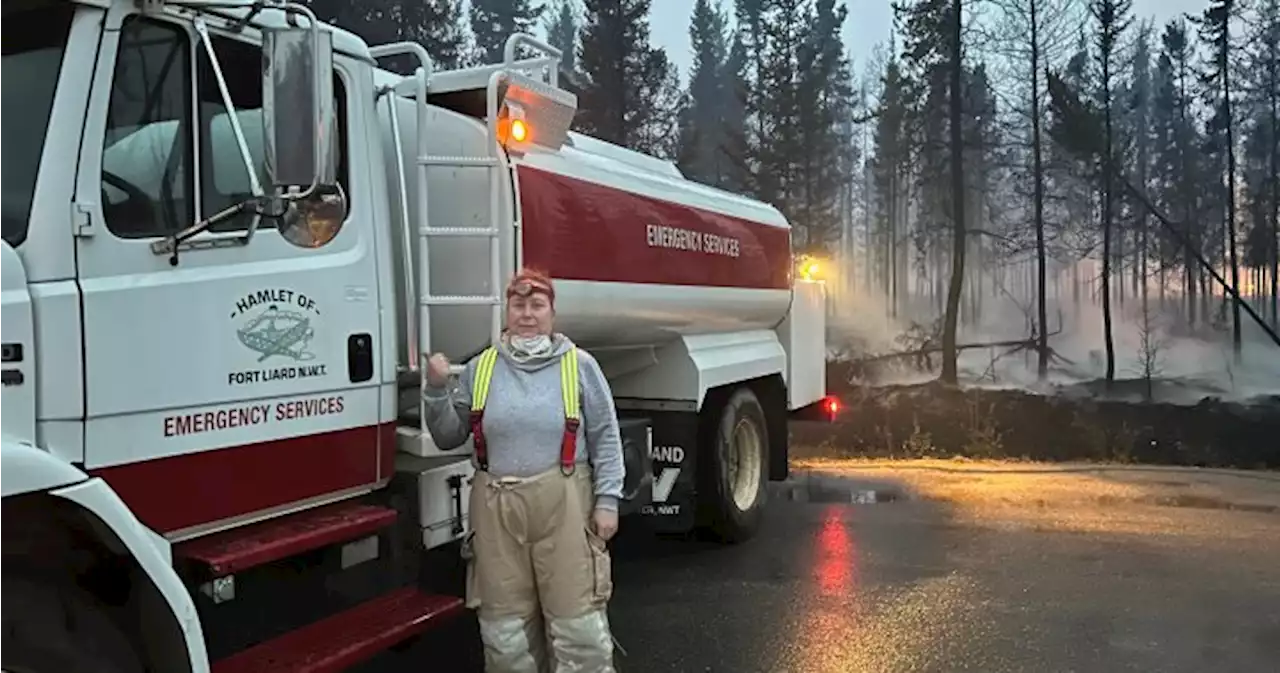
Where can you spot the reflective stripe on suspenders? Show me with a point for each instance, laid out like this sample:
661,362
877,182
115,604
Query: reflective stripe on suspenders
480,395
568,389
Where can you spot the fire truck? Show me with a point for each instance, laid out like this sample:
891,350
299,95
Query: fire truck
232,233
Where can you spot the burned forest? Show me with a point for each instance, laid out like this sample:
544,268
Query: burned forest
1119,222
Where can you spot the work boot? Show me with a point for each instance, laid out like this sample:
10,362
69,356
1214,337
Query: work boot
582,644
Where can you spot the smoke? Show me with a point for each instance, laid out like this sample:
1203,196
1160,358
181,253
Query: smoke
1185,363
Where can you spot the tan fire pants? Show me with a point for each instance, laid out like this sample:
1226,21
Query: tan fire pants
538,575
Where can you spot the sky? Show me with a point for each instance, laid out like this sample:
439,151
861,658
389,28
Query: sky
869,22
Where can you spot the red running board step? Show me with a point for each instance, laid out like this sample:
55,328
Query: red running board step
336,643
258,544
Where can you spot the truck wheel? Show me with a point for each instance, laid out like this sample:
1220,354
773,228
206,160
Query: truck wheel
740,468
58,628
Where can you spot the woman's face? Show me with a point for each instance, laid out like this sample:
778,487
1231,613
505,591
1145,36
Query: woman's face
530,315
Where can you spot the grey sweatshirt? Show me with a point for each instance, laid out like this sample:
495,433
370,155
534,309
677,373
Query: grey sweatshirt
524,418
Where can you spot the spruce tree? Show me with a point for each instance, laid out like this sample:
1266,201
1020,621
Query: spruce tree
562,33
744,96
1262,66
1112,18
1215,35
783,24
702,122
889,176
734,149
825,96
435,24
441,32
493,21
629,95
1177,159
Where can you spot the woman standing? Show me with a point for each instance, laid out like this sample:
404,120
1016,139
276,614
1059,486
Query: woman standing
544,502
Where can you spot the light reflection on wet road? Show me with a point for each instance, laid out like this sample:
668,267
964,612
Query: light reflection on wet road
823,589
988,573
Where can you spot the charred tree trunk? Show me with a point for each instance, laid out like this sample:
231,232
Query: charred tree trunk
1231,191
1273,93
958,242
1107,204
1042,321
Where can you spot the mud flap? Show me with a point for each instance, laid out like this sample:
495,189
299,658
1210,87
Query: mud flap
669,491
637,486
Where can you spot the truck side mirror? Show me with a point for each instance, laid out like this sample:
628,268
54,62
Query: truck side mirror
301,131
297,101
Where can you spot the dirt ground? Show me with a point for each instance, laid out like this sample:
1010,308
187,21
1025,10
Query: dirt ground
1063,485
934,421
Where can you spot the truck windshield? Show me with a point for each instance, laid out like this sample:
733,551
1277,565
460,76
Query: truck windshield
34,42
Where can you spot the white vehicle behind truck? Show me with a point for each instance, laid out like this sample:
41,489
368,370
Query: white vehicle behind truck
229,239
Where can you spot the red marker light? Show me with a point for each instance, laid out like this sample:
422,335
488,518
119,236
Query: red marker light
833,406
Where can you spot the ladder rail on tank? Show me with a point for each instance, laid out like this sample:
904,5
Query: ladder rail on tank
419,299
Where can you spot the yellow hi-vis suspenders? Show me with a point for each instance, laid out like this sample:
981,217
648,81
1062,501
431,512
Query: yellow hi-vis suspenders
568,389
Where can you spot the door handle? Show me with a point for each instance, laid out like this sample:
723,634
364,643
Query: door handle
359,357
12,354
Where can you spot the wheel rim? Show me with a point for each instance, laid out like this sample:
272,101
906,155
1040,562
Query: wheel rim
744,463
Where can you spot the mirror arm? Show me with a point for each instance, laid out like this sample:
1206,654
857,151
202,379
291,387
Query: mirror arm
232,117
171,243
253,222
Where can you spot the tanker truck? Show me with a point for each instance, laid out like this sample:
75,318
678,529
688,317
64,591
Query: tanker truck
230,237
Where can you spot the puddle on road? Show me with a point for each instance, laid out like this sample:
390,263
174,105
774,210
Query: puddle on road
824,489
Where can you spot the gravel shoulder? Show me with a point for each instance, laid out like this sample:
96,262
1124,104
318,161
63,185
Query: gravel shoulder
1010,483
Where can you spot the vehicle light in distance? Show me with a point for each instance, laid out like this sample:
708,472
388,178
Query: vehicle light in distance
832,406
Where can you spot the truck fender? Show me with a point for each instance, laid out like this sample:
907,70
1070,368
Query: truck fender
691,367
30,470
153,555
31,473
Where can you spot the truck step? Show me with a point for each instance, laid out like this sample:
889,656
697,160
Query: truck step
348,638
411,418
261,543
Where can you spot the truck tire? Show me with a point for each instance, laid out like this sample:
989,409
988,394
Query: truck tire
739,469
58,628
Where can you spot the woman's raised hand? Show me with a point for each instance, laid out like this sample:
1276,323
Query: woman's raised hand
438,370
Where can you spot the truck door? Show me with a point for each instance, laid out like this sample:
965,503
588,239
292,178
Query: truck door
240,381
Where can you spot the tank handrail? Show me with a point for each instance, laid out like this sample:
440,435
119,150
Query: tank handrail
414,313
550,60
410,301
405,48
517,39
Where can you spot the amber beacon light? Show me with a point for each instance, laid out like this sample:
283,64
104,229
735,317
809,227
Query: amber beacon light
519,131
512,126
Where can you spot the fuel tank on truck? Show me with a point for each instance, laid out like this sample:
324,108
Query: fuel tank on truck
640,255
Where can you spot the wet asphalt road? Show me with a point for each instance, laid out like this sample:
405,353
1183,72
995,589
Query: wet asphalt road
966,572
